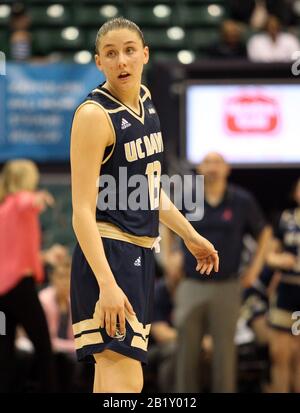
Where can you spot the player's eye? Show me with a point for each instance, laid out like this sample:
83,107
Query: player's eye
110,53
130,50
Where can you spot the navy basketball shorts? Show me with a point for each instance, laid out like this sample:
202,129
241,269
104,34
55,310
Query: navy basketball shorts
254,306
133,268
284,303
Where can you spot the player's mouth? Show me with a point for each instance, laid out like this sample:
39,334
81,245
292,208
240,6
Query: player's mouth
124,75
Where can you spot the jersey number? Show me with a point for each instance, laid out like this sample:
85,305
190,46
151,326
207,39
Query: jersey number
153,172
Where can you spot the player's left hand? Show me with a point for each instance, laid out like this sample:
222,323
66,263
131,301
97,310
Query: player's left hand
204,252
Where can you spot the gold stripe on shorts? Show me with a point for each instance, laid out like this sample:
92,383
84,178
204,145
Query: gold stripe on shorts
290,279
88,339
280,318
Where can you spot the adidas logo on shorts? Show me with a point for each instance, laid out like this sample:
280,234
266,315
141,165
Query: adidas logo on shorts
125,124
138,262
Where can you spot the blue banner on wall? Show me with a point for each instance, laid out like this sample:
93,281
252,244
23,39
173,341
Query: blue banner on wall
37,104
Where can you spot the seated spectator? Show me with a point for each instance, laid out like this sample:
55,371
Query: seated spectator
54,256
20,35
273,45
69,375
255,12
231,44
56,304
241,11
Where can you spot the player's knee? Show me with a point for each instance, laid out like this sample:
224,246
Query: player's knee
135,385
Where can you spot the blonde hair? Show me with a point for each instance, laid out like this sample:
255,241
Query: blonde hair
63,268
117,24
18,175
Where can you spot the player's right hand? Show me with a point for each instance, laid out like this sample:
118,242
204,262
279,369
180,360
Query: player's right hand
204,252
113,303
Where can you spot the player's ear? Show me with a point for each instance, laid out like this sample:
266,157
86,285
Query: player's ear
146,55
98,61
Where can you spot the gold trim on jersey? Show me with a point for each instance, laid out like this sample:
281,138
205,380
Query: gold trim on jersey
109,121
108,230
120,109
147,93
141,117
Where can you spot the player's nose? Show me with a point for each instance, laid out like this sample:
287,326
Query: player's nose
122,60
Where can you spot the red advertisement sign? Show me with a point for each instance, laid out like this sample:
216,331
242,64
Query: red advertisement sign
255,113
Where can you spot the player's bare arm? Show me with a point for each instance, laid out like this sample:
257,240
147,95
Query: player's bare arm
277,258
204,252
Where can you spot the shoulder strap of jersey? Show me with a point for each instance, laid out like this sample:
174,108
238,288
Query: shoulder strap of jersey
146,93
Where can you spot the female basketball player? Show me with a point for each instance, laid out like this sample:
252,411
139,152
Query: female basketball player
284,312
116,132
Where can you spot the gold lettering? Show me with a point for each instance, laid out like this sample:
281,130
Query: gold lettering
159,141
149,149
130,151
153,143
134,149
140,152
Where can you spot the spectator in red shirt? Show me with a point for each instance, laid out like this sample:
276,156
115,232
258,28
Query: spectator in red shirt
20,267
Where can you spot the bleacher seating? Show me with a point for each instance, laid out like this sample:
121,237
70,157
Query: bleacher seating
200,20
49,19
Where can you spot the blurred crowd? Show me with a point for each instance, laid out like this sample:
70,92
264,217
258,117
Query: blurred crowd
234,331
37,352
257,30
237,330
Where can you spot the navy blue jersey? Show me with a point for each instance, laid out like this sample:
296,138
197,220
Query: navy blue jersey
289,233
225,225
136,155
